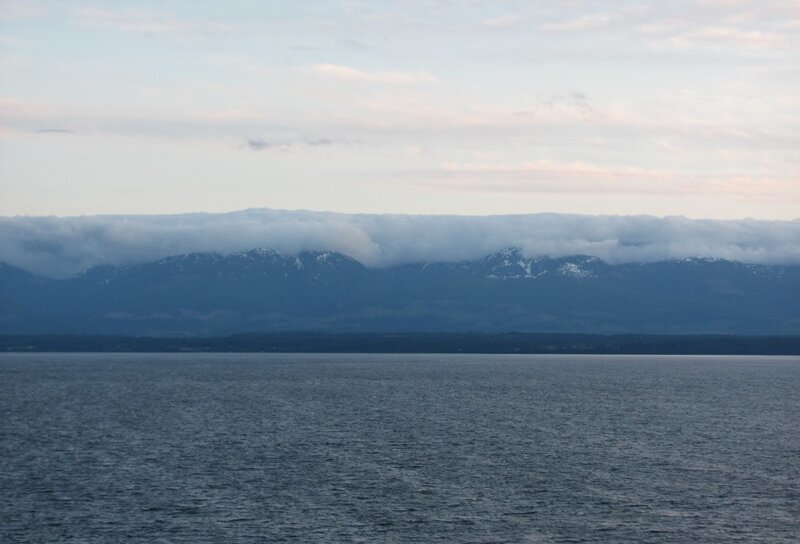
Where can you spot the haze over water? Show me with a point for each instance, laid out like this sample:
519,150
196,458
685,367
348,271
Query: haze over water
376,448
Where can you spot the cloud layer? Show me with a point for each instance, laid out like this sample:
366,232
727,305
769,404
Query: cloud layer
65,246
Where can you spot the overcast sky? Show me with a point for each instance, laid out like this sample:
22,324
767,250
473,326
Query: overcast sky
681,107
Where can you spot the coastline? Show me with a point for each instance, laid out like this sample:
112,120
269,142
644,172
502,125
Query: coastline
411,342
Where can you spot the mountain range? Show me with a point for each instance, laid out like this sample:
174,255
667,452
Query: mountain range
263,291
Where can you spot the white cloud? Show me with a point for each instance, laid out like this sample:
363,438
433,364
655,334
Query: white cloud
579,24
502,22
66,246
15,10
353,74
728,36
143,21
548,176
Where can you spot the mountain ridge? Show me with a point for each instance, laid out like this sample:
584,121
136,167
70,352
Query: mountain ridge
265,290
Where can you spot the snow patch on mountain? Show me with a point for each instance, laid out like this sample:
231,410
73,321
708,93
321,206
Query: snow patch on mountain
573,270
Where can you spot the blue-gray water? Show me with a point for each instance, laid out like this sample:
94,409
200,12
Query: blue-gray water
374,448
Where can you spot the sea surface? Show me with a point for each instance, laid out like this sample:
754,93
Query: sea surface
398,448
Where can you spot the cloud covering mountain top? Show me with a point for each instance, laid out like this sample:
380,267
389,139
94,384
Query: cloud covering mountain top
65,246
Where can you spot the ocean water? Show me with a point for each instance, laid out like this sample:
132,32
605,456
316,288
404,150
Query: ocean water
398,448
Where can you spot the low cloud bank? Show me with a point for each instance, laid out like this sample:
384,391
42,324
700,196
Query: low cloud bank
65,246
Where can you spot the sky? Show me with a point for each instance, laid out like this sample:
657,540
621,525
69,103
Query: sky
459,107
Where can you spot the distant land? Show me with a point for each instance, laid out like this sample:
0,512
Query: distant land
264,291
500,343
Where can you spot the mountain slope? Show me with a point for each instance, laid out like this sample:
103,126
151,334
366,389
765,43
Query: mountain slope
262,290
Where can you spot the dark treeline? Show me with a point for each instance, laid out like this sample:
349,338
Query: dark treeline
309,342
